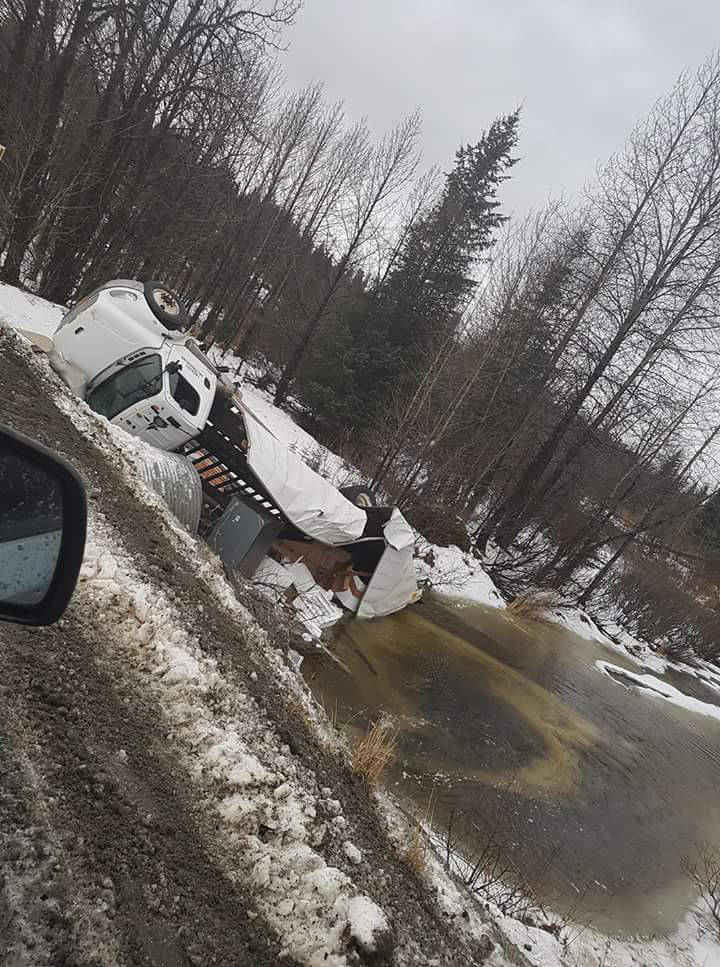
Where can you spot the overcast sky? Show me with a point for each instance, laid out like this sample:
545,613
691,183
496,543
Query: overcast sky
584,71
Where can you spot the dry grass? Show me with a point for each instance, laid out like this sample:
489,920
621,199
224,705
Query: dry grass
372,753
535,606
415,854
331,713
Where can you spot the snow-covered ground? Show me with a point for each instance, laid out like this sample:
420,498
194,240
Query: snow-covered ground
456,574
251,779
22,310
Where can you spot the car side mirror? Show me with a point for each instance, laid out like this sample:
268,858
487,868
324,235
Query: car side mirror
43,518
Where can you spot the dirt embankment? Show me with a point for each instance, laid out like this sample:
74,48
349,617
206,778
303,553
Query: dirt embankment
108,853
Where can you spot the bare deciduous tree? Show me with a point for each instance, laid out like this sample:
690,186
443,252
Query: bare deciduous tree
381,176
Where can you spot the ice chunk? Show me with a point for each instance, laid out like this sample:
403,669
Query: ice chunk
368,924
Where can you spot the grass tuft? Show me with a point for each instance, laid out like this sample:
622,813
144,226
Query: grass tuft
372,753
535,606
415,854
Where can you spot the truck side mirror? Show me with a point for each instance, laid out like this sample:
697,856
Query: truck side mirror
43,518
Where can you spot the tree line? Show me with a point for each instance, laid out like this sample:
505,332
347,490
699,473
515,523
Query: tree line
542,390
572,416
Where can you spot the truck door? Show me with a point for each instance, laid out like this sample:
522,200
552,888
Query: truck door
190,390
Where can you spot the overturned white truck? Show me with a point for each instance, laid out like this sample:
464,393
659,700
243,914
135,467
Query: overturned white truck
264,511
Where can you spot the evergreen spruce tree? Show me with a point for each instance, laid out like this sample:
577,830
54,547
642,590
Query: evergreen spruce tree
423,295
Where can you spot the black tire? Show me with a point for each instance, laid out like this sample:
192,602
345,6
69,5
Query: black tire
166,306
359,495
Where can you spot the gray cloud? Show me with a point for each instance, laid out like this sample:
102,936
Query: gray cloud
584,71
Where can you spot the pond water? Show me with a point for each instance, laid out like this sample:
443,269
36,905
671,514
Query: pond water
598,791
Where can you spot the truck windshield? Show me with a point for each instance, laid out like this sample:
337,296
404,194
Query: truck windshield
129,385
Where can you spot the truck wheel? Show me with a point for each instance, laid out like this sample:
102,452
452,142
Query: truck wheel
166,306
359,495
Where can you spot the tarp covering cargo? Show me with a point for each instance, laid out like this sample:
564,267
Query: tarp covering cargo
309,502
393,584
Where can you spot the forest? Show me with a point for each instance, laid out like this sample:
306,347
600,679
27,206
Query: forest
542,390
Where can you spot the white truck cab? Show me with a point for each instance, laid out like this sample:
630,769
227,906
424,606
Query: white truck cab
153,381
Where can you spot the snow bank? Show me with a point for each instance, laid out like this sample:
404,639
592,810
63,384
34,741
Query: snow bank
615,638
455,574
707,674
655,687
21,310
582,625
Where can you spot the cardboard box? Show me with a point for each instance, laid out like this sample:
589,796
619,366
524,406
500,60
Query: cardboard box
330,566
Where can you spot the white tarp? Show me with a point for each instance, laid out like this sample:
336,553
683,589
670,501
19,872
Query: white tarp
312,504
393,584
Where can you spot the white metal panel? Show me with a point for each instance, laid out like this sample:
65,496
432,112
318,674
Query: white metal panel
312,504
393,584
397,532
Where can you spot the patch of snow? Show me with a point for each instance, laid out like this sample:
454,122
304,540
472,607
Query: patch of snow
693,943
634,648
581,624
367,923
456,574
614,637
22,310
707,674
655,687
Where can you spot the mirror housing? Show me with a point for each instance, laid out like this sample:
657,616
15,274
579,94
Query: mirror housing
67,552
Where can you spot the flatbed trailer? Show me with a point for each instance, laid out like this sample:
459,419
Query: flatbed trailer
219,455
